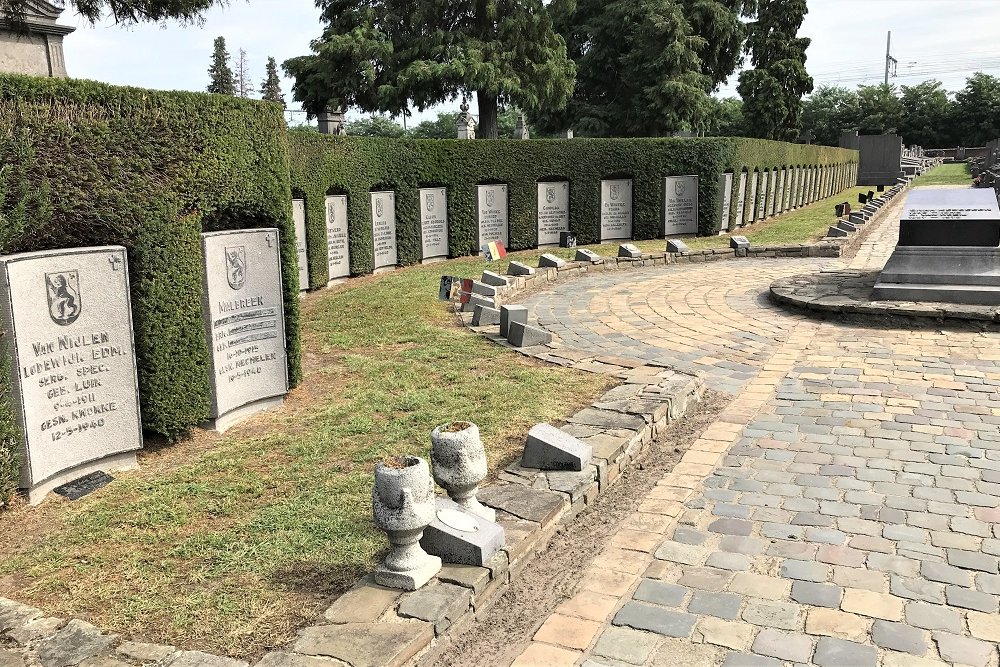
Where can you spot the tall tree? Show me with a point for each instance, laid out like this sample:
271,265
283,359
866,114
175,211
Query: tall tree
243,84
978,109
718,23
828,112
879,109
220,75
123,11
389,55
270,88
725,118
772,91
375,126
927,113
638,69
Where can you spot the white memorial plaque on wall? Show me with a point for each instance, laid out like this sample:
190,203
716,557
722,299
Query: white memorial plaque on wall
741,198
751,204
301,250
553,211
384,229
680,205
494,218
616,209
338,245
725,202
433,223
765,180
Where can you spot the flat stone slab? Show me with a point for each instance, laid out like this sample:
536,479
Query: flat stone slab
677,246
364,603
442,604
523,502
199,659
520,269
520,334
584,255
367,644
510,314
494,279
629,251
283,659
607,419
484,316
73,644
550,261
548,448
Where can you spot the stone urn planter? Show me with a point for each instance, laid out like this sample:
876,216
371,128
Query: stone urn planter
403,505
460,465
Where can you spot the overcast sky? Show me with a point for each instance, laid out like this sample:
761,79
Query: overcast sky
942,39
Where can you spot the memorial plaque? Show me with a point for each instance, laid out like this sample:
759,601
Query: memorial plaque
384,229
433,223
680,205
299,218
725,201
789,186
68,322
741,198
749,213
772,191
779,195
616,210
338,246
762,195
951,204
245,323
553,211
493,215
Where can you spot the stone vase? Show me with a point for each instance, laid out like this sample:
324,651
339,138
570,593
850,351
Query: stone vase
403,505
460,465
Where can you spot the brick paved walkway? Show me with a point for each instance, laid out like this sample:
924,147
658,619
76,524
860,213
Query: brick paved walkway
842,511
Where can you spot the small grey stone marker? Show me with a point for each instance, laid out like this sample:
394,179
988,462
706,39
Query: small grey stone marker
520,334
629,251
461,537
484,316
482,288
478,300
548,448
520,269
739,243
550,261
677,246
494,279
583,255
510,314
836,232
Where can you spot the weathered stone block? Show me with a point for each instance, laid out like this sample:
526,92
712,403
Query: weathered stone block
678,247
548,448
629,251
519,269
510,314
484,316
367,644
550,261
520,334
494,279
463,538
482,288
73,644
583,255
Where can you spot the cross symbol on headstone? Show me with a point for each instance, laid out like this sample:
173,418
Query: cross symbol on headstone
115,261
269,240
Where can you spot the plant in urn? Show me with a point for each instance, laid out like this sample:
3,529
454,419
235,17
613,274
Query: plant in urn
403,505
460,465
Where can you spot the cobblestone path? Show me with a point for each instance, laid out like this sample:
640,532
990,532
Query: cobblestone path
844,509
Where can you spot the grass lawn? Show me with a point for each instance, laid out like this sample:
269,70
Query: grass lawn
946,174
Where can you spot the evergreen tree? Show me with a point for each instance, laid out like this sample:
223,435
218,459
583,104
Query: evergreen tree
828,112
220,75
927,115
123,11
638,69
375,126
718,23
978,109
270,88
389,55
772,91
879,109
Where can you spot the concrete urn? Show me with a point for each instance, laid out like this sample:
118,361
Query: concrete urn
460,465
403,505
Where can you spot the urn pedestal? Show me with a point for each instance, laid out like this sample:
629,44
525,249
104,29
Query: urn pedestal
460,465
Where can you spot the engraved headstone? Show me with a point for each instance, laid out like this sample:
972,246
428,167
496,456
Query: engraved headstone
299,218
245,323
68,323
772,191
616,209
725,199
779,196
751,204
680,205
337,239
384,229
433,223
741,198
493,215
789,187
553,211
762,195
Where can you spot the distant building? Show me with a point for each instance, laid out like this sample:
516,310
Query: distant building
37,47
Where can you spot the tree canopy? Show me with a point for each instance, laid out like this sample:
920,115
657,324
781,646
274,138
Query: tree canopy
124,11
389,55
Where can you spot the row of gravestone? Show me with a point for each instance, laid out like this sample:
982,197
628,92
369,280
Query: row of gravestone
759,195
69,336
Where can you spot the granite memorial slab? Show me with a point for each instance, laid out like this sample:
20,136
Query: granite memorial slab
245,323
749,211
510,314
779,197
483,316
301,249
433,224
459,536
584,255
741,197
772,191
520,269
337,239
550,261
548,448
629,251
677,247
616,210
493,214
739,243
68,322
725,199
520,334
383,205
765,179
680,205
495,279
950,217
553,211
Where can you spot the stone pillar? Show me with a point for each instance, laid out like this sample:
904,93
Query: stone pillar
568,134
464,124
521,131
332,122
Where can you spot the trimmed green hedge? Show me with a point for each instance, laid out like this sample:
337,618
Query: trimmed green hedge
89,164
355,166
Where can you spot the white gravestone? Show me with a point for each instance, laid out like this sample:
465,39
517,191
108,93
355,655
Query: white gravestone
779,196
725,199
616,209
383,206
680,205
245,323
68,322
772,190
553,211
337,239
299,218
762,195
751,203
493,215
433,224
741,198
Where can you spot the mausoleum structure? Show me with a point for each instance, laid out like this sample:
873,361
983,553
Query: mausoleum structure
36,48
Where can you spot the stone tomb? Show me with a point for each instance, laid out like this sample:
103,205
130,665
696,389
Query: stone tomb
383,206
493,215
337,238
616,209
299,218
680,205
245,323
553,211
433,224
68,320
